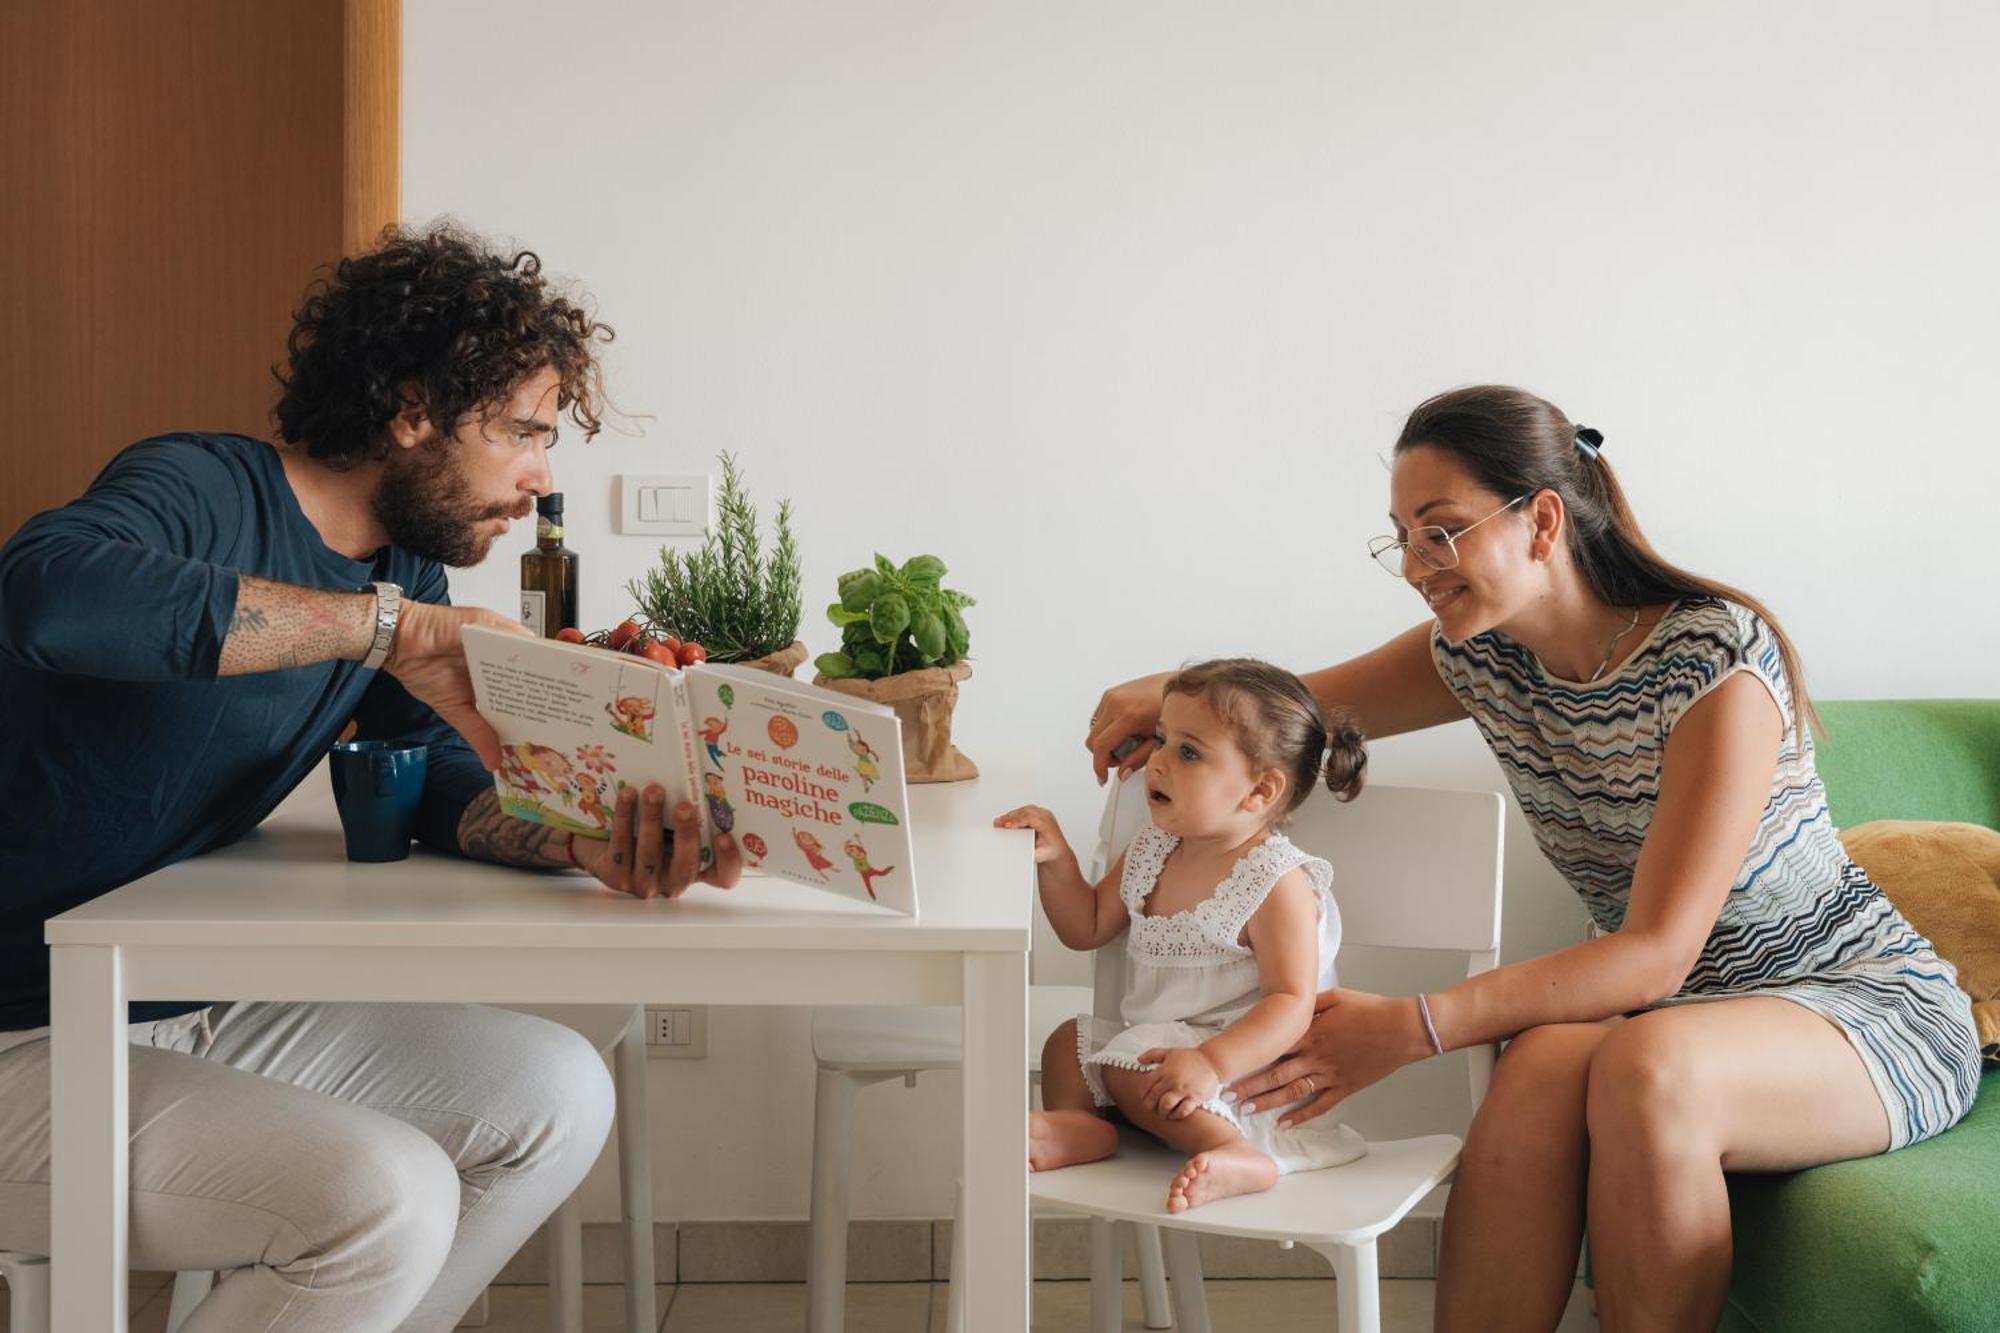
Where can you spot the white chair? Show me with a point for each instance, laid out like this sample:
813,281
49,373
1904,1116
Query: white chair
1414,868
615,1031
618,1033
855,1047
27,1277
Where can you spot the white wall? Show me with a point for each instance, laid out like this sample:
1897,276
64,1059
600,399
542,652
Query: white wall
1116,307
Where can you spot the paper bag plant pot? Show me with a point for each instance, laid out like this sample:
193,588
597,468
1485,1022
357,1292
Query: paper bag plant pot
784,662
923,701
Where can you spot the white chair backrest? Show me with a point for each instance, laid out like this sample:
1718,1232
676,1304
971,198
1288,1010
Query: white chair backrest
1125,813
1413,868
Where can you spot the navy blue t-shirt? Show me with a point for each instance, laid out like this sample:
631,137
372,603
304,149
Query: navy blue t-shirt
125,751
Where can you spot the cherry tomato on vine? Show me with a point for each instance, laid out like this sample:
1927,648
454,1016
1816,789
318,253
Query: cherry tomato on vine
692,653
624,634
570,634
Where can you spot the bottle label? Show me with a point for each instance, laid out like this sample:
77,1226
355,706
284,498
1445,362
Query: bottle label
547,529
535,612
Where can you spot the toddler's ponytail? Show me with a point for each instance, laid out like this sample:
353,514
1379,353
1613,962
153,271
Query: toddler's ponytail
1278,724
1346,757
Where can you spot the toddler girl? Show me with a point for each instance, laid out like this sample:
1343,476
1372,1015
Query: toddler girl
1232,936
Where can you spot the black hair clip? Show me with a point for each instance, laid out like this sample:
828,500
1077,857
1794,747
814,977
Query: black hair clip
1590,441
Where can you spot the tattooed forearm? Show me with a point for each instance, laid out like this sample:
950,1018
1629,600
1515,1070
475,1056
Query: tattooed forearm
282,625
488,833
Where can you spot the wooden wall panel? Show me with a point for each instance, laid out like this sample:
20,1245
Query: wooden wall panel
372,178
171,176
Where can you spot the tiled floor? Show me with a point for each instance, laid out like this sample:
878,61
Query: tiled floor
1253,1306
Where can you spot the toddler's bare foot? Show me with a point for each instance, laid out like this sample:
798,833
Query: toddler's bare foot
1064,1138
1234,1168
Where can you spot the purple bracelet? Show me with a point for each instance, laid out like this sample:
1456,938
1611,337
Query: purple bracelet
1430,1028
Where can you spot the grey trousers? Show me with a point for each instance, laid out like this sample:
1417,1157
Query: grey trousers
343,1167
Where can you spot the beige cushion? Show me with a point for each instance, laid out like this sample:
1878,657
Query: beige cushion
1945,878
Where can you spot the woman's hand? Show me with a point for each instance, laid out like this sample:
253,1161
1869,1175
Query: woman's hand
1128,712
636,858
1184,1080
1355,1039
1050,845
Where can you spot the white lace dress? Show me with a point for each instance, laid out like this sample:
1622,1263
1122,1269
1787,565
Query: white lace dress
1189,977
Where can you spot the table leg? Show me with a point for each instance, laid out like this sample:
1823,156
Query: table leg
635,1178
89,1111
994,1165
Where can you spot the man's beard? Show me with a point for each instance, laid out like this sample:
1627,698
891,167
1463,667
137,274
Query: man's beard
426,507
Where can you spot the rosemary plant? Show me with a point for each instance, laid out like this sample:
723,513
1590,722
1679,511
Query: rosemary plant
728,596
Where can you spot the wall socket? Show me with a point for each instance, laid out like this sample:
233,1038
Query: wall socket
677,1034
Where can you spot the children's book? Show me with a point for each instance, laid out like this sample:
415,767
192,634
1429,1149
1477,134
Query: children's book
809,782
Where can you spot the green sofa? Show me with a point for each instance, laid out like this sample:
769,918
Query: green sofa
1909,1241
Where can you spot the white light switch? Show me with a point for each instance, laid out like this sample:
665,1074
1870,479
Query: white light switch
664,506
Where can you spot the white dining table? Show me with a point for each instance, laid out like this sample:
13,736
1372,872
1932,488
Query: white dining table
283,915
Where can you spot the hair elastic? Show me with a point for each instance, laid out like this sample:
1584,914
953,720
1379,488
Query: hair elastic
1430,1028
1591,442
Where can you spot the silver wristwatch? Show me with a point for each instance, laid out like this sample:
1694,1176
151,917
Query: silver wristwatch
388,608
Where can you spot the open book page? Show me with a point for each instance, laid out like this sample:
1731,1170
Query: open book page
809,781
578,725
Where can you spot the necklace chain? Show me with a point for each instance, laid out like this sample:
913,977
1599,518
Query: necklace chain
1612,646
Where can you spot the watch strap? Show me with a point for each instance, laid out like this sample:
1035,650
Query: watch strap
388,609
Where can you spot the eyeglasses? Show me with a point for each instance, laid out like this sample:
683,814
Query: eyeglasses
1434,547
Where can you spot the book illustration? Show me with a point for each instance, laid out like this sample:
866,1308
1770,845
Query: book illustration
712,730
754,848
784,732
634,703
720,812
531,775
594,784
815,854
857,852
867,764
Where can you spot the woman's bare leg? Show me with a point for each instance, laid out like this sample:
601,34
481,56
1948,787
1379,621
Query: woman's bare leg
1680,1095
1068,1129
1220,1163
1514,1221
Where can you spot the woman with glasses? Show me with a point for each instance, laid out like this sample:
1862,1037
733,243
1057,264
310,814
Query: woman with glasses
1749,1000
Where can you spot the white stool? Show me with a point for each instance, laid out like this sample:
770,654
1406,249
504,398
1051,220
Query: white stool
27,1291
857,1047
619,1033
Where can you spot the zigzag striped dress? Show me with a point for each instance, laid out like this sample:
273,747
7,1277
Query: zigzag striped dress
1802,921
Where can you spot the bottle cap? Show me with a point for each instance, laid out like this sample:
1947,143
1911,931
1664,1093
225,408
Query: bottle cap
549,505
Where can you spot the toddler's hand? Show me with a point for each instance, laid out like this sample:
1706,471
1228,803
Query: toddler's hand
1184,1080
1049,840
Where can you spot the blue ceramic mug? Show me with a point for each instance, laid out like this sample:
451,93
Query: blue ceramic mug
377,786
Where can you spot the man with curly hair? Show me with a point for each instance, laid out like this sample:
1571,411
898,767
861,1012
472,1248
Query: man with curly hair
178,648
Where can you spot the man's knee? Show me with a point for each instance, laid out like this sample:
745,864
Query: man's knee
384,1210
564,1100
